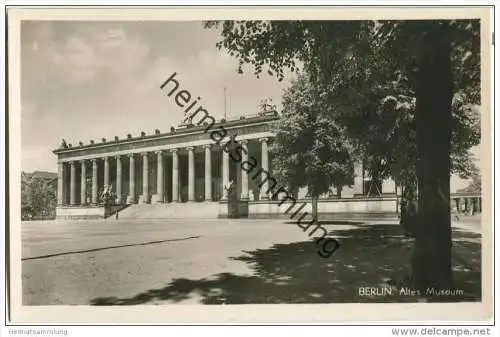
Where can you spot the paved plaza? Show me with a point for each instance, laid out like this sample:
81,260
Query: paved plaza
221,261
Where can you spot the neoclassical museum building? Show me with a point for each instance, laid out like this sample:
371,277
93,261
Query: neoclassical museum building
185,173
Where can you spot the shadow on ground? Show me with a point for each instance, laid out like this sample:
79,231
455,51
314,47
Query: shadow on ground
369,256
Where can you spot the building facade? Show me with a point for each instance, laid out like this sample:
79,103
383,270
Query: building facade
185,166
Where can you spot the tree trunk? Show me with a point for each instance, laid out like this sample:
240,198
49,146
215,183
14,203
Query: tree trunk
431,261
376,181
401,198
409,206
315,208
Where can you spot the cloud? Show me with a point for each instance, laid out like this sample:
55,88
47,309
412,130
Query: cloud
35,158
73,63
28,112
120,55
87,59
84,81
206,74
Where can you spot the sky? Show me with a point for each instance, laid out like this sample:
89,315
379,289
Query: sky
89,80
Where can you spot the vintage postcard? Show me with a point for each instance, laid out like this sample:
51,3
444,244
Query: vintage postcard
250,165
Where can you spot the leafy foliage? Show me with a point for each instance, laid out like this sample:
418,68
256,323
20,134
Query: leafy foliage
38,197
474,186
309,150
465,133
365,72
380,72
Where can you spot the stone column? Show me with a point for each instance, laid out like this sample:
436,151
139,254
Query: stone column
225,174
265,167
191,175
461,201
159,196
131,180
118,179
106,171
94,182
72,184
60,183
208,173
175,176
457,204
244,174
474,205
145,184
83,184
358,178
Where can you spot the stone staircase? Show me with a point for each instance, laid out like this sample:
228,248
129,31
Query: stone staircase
191,210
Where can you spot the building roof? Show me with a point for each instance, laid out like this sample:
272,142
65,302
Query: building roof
183,129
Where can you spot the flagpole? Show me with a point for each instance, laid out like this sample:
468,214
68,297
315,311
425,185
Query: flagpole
225,107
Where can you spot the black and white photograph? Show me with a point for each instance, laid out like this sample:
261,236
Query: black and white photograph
225,159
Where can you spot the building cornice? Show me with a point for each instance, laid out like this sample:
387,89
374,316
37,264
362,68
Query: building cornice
176,146
178,133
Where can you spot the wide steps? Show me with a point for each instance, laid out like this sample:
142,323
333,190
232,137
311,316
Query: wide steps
193,210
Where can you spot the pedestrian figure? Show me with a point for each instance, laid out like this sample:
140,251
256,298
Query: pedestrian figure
116,216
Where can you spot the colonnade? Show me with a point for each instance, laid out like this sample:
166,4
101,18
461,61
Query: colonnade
160,192
467,204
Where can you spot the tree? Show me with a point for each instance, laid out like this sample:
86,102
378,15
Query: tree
465,133
38,197
474,185
383,124
309,150
26,210
436,58
442,59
